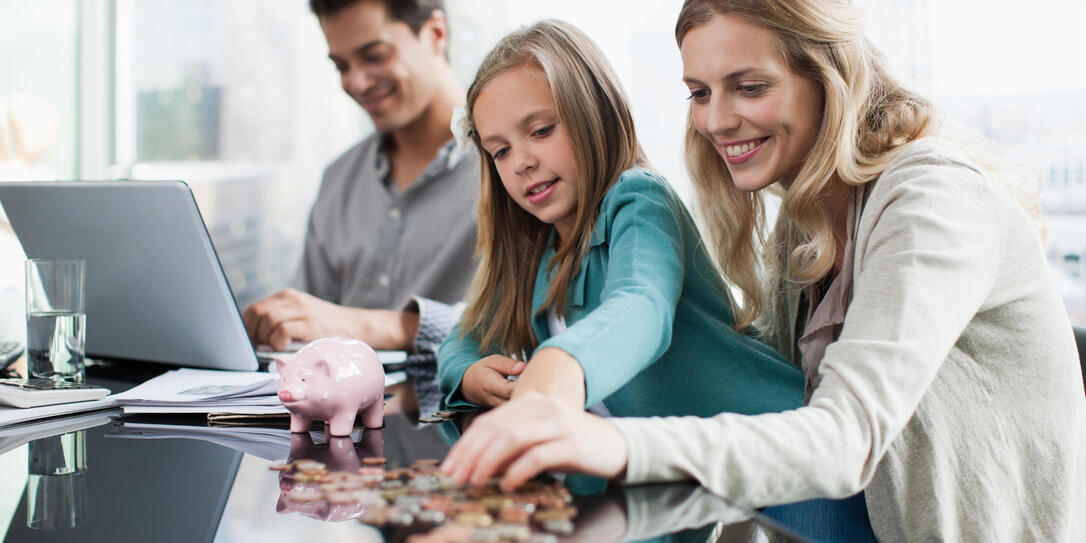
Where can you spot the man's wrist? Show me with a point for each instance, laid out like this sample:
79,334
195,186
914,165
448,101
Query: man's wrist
408,328
385,329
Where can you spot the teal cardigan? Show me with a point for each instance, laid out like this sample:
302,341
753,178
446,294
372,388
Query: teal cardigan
647,319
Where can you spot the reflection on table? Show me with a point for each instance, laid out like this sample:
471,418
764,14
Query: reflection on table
101,477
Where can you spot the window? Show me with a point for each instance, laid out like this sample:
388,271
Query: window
238,100
1008,80
39,112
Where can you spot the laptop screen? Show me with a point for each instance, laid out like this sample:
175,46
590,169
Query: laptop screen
155,290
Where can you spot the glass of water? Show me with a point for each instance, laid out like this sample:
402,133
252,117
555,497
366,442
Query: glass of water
55,319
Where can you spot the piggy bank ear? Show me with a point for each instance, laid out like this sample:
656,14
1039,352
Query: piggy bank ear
322,366
281,362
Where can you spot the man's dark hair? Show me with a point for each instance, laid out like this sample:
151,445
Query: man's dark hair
414,13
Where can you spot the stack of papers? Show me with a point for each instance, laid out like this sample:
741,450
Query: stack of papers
190,390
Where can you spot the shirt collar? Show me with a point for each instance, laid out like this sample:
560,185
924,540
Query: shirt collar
448,157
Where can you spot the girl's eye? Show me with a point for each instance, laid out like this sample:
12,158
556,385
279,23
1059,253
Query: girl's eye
500,153
698,95
543,131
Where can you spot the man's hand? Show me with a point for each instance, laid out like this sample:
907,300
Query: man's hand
291,315
485,382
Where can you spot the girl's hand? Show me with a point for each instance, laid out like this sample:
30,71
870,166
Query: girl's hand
485,382
533,433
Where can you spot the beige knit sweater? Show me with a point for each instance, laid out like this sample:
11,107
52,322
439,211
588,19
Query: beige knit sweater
953,396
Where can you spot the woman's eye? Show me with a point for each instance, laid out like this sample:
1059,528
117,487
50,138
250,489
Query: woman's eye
698,95
752,88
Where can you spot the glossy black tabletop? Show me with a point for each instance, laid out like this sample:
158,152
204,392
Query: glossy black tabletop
103,477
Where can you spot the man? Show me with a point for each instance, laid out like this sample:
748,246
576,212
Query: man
392,228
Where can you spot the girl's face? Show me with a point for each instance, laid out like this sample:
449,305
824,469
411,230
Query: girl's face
761,118
518,126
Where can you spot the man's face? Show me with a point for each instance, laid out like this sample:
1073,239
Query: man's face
383,65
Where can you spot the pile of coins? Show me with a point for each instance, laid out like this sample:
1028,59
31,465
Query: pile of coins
421,495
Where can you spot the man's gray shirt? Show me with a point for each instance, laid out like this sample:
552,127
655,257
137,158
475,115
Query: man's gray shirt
368,245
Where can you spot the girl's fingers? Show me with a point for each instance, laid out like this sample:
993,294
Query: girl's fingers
503,389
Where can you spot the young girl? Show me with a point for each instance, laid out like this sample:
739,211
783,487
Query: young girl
590,268
906,279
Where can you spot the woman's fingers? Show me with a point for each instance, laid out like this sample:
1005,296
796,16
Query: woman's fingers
531,434
459,462
582,443
505,446
543,456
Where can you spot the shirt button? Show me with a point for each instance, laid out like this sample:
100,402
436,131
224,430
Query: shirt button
383,280
394,213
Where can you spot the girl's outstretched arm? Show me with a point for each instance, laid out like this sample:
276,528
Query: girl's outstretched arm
553,372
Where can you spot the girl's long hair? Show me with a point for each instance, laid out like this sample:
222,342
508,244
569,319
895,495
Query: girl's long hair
589,101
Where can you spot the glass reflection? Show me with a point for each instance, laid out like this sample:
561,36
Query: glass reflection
56,493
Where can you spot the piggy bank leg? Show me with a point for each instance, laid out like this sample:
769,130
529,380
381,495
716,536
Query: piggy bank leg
374,415
372,443
340,425
299,424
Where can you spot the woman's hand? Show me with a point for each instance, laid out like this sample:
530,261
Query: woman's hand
485,382
533,433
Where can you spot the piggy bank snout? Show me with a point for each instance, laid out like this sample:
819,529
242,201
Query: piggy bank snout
288,395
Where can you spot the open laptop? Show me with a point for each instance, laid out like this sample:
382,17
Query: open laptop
154,288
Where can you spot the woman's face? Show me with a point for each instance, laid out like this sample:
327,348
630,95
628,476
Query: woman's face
761,118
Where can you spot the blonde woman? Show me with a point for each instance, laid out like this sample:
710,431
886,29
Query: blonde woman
905,279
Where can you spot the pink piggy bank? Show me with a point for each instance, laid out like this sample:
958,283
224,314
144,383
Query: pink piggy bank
332,380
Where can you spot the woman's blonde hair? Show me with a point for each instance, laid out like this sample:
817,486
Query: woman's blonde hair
589,101
867,117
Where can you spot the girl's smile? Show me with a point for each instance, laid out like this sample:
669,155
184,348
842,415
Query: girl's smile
539,192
